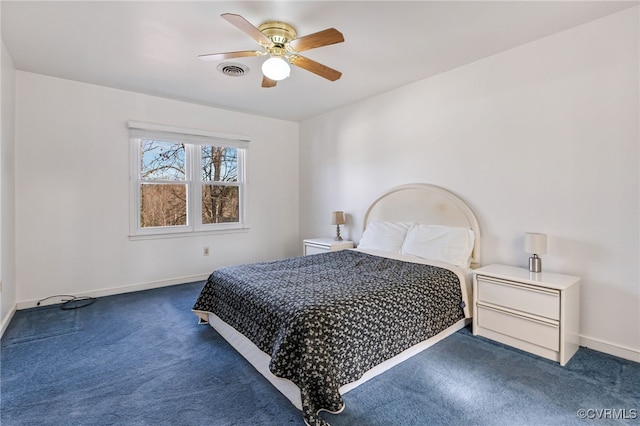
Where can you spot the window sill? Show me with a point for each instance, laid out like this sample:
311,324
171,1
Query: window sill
187,234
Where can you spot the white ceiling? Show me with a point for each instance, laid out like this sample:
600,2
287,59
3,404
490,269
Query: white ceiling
152,47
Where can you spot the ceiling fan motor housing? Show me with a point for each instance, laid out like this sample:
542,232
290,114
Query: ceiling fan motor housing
280,33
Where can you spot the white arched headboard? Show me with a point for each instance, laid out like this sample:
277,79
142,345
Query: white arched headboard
426,204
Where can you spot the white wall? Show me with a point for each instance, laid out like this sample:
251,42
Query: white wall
72,186
540,138
7,190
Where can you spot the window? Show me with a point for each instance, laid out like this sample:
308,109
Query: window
186,181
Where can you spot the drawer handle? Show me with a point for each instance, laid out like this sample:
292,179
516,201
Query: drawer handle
521,285
519,315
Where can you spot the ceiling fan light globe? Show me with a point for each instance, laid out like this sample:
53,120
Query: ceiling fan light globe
276,69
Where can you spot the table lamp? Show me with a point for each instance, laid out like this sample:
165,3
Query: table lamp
337,218
535,244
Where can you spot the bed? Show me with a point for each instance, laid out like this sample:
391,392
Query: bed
318,326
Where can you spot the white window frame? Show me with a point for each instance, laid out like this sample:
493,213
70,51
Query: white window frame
193,140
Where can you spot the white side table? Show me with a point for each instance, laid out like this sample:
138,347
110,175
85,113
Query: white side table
322,245
535,312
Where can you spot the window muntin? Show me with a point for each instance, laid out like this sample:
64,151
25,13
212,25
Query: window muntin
183,187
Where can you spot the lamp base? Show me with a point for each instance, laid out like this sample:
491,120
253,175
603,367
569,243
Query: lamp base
535,264
338,237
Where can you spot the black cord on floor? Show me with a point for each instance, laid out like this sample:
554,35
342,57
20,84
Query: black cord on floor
73,303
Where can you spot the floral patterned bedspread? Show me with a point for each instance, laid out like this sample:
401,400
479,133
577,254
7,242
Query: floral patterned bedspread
327,318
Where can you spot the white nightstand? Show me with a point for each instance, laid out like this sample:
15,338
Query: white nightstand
322,245
535,312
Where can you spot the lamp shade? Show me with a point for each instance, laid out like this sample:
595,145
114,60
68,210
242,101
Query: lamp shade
535,243
337,218
276,68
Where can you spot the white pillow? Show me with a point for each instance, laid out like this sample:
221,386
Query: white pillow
443,243
384,236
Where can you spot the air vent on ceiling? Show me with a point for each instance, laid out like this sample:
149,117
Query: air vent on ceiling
233,69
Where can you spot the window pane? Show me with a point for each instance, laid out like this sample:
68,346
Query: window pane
220,204
219,164
163,205
161,160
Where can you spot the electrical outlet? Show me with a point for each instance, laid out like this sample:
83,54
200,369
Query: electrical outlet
205,251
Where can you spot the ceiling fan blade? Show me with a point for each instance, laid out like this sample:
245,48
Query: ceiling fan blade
267,82
316,68
247,27
319,39
229,55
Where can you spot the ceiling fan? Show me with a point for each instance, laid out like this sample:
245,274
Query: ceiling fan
279,41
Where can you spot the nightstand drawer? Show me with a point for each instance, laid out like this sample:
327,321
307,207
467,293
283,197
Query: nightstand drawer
537,332
533,300
311,249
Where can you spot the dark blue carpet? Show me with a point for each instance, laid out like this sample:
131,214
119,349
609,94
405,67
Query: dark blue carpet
141,359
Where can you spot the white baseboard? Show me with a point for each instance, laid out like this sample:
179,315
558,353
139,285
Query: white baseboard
610,348
117,290
7,319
